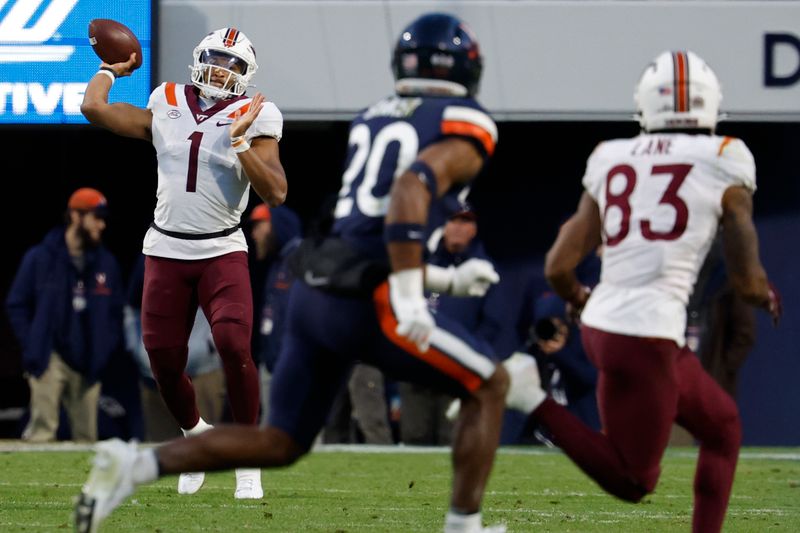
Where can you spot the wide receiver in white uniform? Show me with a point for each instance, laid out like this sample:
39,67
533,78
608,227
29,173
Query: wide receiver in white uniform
655,201
212,143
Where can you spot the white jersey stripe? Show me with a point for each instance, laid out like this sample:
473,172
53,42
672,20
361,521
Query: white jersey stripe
472,116
460,351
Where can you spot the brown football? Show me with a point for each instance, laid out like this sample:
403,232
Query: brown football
113,42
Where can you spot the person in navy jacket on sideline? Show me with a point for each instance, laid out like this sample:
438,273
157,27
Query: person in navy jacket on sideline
423,411
65,306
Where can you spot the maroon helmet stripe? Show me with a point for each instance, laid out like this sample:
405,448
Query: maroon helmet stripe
680,63
230,37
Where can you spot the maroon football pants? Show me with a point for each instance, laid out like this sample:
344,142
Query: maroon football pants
644,385
173,288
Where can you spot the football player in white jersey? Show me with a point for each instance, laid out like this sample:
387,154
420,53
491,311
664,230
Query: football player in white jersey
212,143
655,201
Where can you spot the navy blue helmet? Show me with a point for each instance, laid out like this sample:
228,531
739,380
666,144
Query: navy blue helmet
438,46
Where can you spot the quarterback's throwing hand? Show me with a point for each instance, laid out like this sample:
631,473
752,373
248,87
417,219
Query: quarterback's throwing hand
242,121
123,69
414,320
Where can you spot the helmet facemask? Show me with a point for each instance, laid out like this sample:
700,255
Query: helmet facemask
224,63
230,70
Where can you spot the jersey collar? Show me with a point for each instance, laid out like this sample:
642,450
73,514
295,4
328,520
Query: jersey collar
200,115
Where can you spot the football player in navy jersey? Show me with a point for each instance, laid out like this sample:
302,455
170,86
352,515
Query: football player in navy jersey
361,289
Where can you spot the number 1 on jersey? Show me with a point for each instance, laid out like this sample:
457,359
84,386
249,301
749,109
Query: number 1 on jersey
194,151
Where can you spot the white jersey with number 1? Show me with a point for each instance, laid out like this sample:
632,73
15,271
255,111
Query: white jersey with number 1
201,186
660,200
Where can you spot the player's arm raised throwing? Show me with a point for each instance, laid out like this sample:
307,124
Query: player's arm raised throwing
259,157
121,118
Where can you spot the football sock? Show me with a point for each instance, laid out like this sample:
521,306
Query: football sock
462,523
198,428
174,385
241,375
145,467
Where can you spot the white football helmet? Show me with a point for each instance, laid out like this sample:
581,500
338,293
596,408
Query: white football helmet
678,90
226,49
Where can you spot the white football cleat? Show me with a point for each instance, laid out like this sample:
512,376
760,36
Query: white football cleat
248,484
525,392
109,483
190,482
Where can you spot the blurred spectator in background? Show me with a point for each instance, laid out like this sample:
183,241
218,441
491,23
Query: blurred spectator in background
423,419
568,375
276,234
260,224
203,366
721,326
360,413
65,306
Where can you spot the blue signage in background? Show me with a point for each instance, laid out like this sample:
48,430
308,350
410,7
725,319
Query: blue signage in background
46,60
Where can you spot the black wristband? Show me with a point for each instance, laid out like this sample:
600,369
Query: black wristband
403,232
111,70
425,174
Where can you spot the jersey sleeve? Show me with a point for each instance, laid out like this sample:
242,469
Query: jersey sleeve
156,96
470,122
268,123
593,178
736,163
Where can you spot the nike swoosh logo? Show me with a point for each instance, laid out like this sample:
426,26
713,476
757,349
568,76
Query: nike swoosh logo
315,281
224,123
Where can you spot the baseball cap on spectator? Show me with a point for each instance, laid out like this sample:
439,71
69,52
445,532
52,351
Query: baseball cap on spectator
89,200
464,212
259,213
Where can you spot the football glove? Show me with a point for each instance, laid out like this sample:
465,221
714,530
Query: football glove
414,320
775,304
473,277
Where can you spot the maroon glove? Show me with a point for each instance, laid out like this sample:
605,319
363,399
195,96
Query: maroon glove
775,304
577,301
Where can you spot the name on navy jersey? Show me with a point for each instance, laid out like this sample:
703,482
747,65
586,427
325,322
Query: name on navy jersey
385,139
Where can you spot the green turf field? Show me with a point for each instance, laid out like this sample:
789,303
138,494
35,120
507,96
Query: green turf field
336,491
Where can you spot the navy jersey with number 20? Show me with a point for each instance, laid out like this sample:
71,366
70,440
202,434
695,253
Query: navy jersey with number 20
384,140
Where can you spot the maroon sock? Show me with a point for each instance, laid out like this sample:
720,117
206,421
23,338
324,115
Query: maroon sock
712,488
711,416
241,375
174,385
